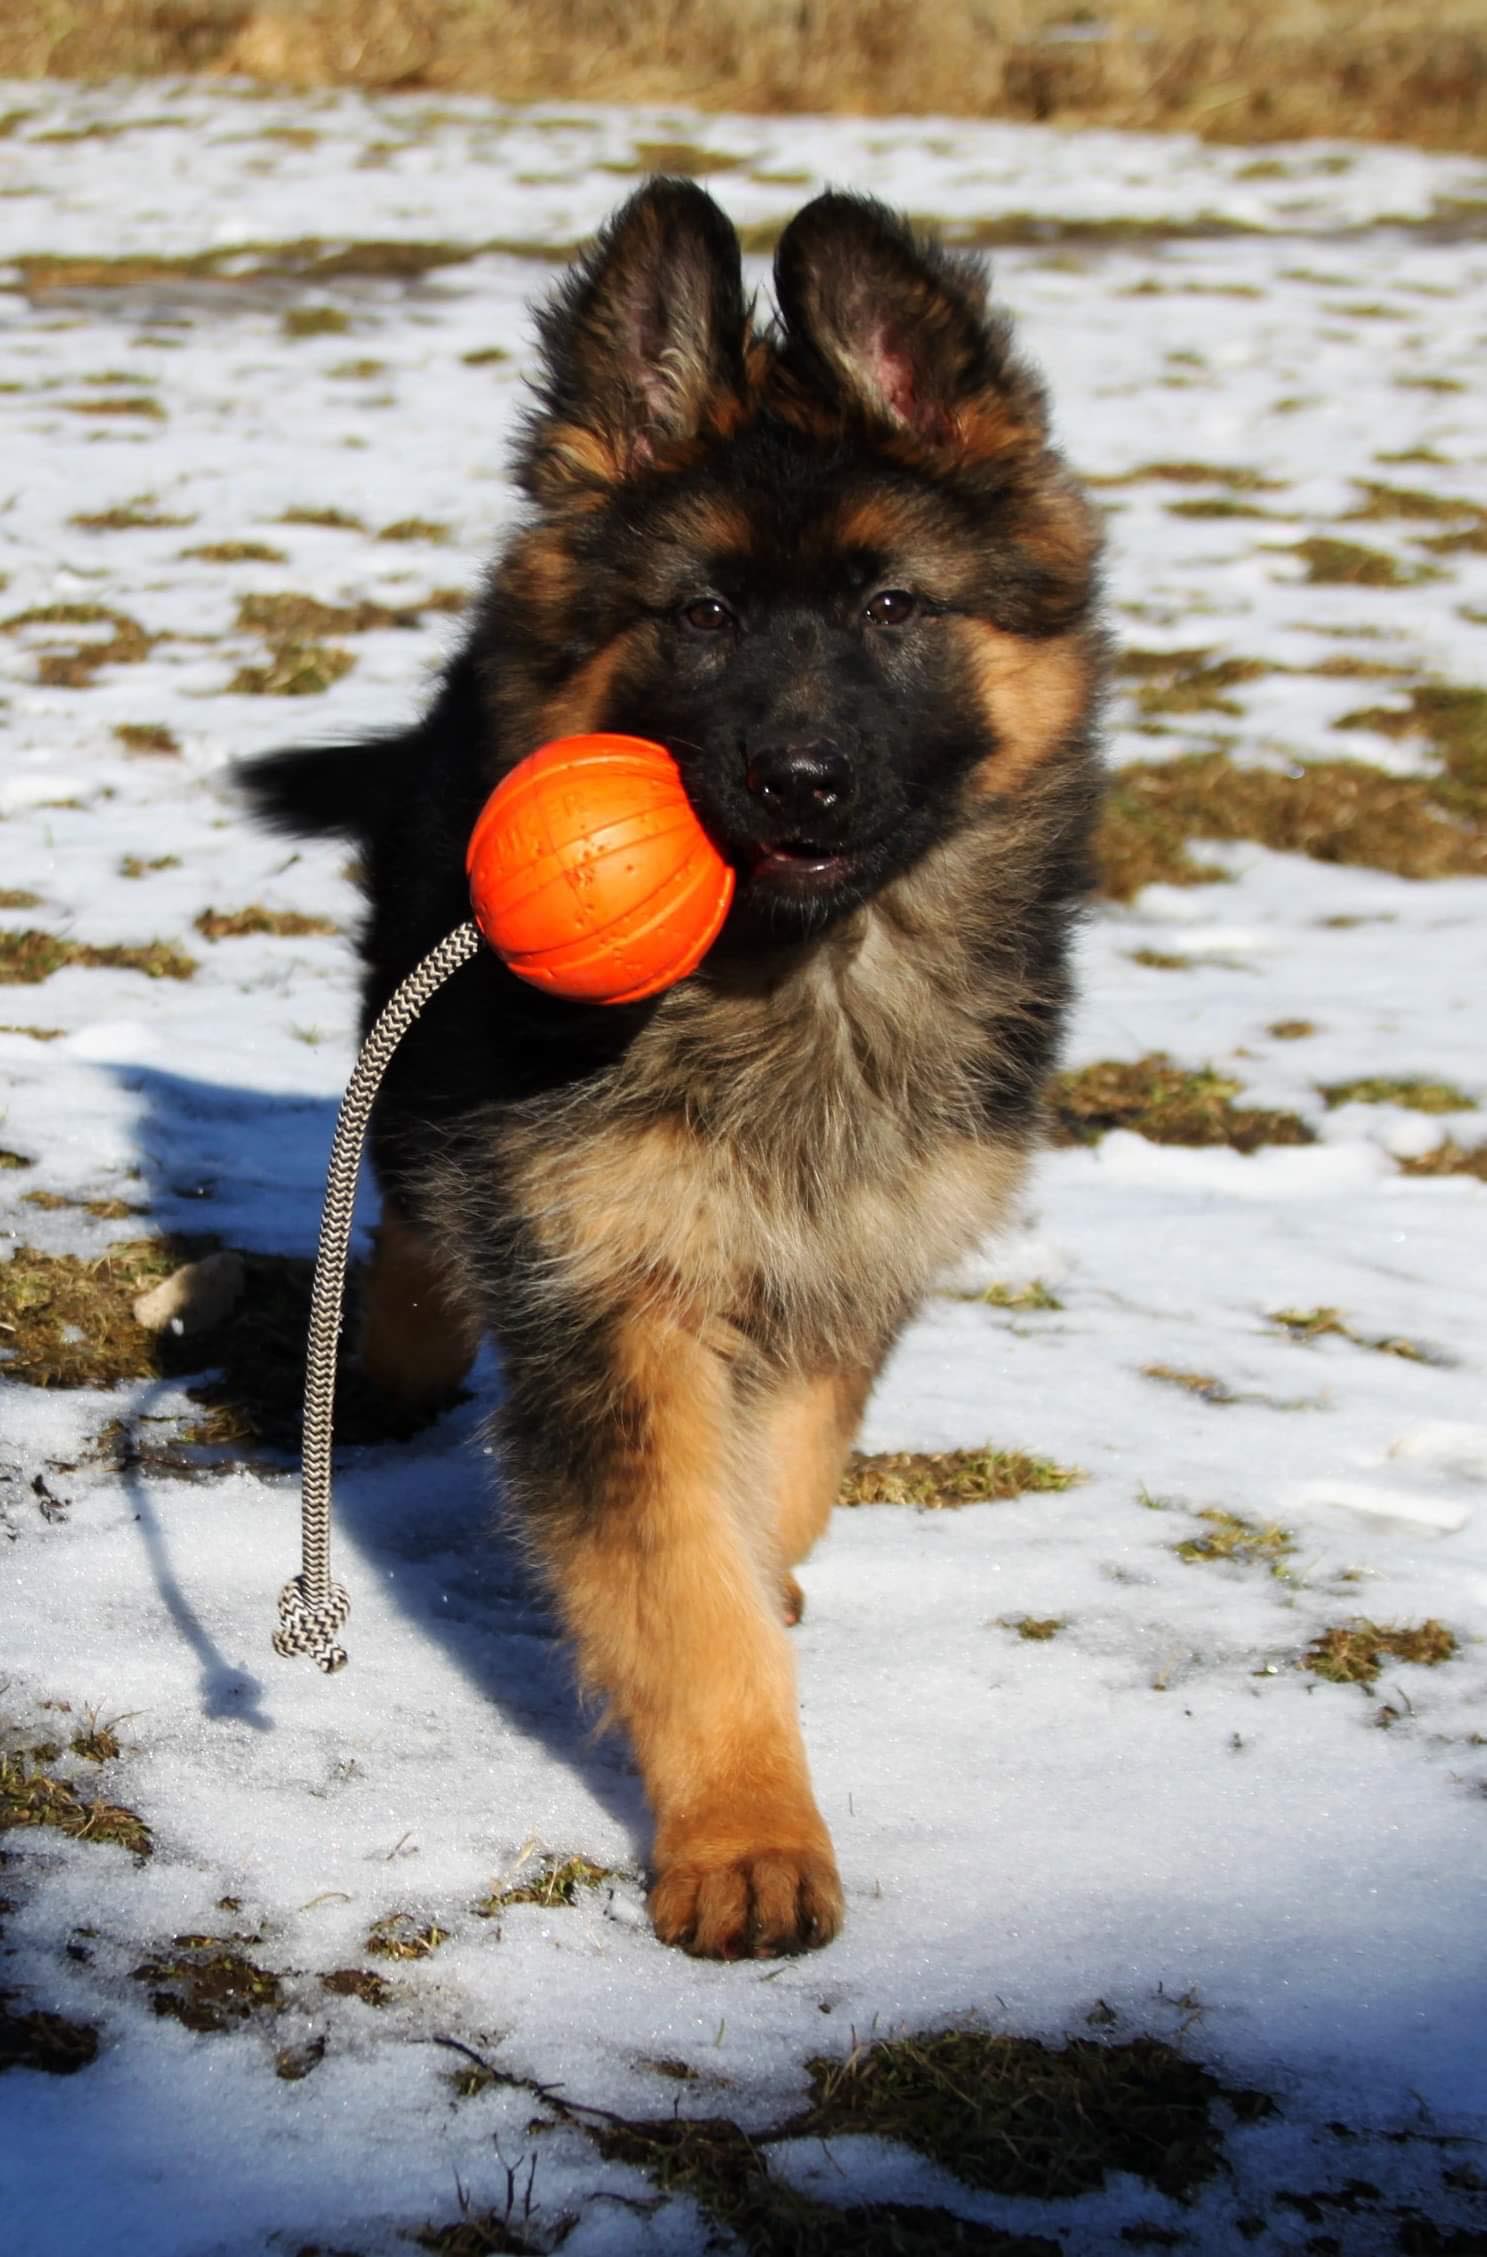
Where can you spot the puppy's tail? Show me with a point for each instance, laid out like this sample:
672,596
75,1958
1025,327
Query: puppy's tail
325,789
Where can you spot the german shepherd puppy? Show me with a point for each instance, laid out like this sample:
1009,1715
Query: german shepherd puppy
833,563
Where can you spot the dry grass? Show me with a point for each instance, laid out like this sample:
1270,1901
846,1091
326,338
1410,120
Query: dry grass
1331,563
400,1935
1324,1324
1231,69
1206,1385
1354,1655
940,1480
146,739
68,1321
255,921
1017,2117
1414,1091
1450,1159
294,670
31,1797
1009,2115
556,1881
68,663
358,1982
28,957
1165,1103
1331,810
1248,1543
206,1986
48,2042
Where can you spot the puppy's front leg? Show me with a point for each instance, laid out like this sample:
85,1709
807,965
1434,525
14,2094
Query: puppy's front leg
677,1625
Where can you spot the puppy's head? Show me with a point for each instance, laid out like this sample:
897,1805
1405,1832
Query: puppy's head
830,561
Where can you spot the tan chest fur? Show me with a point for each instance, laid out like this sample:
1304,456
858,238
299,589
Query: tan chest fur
793,1162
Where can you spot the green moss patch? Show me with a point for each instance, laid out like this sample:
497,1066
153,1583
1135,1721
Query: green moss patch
1248,1543
1167,1104
555,1882
29,957
941,1480
30,1796
1332,811
209,1986
1354,1655
249,923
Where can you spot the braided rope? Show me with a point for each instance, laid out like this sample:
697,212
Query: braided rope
312,1607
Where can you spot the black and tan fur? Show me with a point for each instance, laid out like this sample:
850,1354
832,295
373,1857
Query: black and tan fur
834,564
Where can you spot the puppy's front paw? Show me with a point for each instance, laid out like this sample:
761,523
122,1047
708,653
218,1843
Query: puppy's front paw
766,1904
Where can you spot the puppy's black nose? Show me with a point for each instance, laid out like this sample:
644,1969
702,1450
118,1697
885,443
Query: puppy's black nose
801,783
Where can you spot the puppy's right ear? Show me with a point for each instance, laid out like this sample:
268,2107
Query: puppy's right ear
643,346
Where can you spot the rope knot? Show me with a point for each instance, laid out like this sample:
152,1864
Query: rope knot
308,1626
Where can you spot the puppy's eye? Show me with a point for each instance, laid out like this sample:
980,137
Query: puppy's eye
894,607
706,616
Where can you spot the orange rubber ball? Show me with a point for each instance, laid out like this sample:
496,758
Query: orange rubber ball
590,874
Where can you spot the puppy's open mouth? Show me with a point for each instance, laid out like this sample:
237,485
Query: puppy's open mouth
800,859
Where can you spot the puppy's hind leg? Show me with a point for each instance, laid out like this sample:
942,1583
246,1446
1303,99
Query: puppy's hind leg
417,1339
629,1469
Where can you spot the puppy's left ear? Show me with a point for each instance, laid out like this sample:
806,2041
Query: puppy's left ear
895,327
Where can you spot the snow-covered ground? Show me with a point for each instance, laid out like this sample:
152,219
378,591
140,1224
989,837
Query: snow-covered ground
1157,1811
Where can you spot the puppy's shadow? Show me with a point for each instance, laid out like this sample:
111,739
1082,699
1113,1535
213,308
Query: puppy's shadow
415,1509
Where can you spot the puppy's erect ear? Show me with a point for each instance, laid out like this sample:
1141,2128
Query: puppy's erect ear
896,328
643,344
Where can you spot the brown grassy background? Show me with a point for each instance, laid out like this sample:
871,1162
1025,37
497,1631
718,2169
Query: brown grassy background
1240,70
